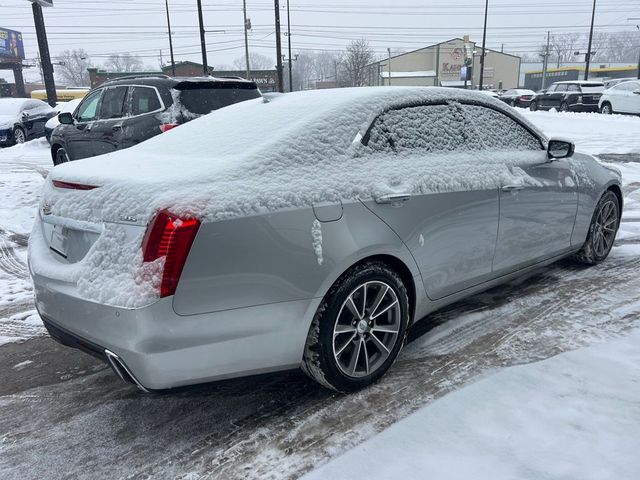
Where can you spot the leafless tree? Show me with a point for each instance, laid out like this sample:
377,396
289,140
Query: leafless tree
257,61
124,62
564,46
71,68
355,60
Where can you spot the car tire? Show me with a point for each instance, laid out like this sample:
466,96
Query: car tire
606,108
19,136
602,230
564,107
60,156
358,329
533,106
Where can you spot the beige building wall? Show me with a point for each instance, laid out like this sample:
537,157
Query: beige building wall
446,60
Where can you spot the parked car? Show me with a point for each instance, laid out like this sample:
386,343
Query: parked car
62,107
575,96
308,231
22,119
518,97
615,81
621,98
127,111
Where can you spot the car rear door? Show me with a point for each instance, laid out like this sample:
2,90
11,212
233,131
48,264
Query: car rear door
77,137
538,203
35,115
429,197
107,132
143,121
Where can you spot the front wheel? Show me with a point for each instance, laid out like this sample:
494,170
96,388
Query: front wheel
602,231
606,109
60,157
358,329
533,106
19,136
564,107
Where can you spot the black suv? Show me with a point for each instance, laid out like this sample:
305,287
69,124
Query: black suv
124,112
574,96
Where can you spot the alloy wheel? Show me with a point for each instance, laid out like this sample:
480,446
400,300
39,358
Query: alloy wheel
606,109
366,329
604,232
18,135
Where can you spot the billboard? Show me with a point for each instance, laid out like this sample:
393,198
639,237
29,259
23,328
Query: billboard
11,46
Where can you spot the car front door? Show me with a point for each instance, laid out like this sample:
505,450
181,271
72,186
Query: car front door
77,137
543,99
428,195
624,99
107,133
558,96
538,202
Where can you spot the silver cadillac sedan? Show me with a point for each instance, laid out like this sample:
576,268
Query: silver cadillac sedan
306,230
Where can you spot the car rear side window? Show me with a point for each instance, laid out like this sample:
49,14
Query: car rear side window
89,107
144,100
425,128
113,103
202,98
573,88
498,131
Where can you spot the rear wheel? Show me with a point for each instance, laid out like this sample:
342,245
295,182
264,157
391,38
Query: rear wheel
602,231
19,136
564,107
533,106
358,329
60,156
606,108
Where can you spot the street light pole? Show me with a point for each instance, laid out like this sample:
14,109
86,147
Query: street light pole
203,43
289,40
246,39
484,40
45,59
276,5
173,63
593,16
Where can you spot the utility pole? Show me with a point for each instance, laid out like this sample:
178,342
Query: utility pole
173,63
389,66
45,59
593,16
246,38
203,43
545,61
289,40
276,5
484,40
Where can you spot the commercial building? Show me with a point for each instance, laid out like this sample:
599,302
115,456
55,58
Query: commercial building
442,64
265,79
533,77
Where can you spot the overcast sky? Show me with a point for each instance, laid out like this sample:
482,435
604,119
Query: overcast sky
104,27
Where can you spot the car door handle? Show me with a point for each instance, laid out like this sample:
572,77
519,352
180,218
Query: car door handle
512,188
117,126
394,198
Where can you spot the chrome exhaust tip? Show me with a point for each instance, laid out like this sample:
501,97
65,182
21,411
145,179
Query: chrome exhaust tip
122,371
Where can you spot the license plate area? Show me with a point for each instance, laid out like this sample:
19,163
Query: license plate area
59,240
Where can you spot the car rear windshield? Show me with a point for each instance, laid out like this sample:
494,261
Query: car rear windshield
202,98
592,88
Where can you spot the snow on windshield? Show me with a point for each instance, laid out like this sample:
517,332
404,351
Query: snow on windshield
11,106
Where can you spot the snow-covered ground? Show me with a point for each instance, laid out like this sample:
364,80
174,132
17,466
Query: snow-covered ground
466,398
573,416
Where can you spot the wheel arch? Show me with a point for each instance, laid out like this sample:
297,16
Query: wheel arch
617,191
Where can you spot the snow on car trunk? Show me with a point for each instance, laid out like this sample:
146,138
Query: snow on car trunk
250,158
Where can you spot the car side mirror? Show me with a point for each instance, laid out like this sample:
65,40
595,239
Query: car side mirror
65,118
560,148
25,115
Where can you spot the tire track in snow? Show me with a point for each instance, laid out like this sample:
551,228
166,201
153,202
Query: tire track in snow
9,261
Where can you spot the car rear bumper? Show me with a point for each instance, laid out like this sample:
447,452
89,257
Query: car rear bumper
158,349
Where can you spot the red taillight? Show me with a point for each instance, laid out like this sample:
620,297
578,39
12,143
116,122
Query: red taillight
72,186
165,127
525,97
169,236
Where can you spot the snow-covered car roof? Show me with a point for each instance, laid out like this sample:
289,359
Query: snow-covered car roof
11,106
253,156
